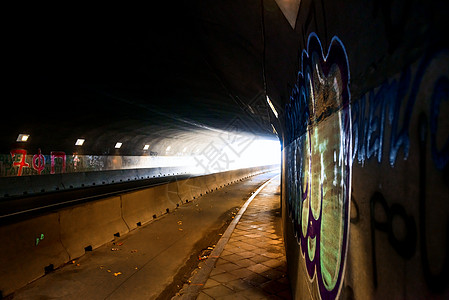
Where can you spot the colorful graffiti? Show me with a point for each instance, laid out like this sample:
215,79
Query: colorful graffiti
386,121
318,129
19,162
36,163
390,106
39,162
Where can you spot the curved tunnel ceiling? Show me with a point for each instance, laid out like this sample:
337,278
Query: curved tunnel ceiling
177,75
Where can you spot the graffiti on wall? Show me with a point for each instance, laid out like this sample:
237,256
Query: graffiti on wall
24,162
419,95
21,163
391,106
318,127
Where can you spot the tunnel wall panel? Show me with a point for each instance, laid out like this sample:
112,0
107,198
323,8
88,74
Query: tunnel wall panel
91,225
27,249
143,205
366,152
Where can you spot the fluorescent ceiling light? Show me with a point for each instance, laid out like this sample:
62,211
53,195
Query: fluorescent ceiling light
22,137
118,145
146,147
79,142
168,148
272,107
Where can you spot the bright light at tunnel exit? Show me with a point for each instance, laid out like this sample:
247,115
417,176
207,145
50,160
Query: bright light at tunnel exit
261,152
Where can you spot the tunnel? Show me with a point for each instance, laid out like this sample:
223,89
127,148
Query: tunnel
272,149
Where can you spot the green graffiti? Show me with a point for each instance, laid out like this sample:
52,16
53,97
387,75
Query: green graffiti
40,238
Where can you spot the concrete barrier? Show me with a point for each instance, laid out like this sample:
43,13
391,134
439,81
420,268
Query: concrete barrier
28,250
90,225
140,207
191,188
213,182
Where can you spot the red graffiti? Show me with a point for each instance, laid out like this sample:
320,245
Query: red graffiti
54,155
20,154
39,162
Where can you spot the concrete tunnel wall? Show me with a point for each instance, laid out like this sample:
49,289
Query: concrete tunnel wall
366,153
34,246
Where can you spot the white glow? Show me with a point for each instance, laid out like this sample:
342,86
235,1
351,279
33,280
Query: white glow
168,148
118,145
146,147
272,107
185,149
79,142
250,152
261,152
22,137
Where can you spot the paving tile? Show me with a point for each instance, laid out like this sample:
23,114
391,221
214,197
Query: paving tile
246,262
261,259
228,266
271,254
254,242
216,271
247,254
254,294
256,279
258,268
222,261
226,252
273,262
224,277
231,258
274,242
239,243
282,268
242,273
235,249
210,283
233,296
217,291
253,235
273,274
249,247
203,296
238,285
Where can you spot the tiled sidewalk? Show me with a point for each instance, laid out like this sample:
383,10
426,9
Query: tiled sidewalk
252,264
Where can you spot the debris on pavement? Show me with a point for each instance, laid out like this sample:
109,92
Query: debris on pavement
117,274
205,253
